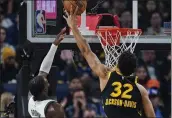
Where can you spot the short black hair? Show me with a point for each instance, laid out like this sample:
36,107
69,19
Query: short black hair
36,86
127,63
78,90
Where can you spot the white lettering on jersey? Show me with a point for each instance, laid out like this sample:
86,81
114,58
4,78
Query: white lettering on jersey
35,113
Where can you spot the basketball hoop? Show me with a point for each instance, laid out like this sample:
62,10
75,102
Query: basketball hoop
114,41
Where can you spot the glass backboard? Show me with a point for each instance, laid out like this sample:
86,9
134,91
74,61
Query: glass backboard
131,15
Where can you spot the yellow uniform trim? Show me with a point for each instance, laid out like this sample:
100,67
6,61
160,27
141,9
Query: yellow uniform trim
109,74
118,71
136,80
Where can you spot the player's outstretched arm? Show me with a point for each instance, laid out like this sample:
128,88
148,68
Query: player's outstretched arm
147,105
48,60
94,63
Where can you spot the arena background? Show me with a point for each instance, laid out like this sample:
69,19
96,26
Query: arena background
70,70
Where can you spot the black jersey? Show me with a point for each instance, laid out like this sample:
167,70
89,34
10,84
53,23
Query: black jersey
121,98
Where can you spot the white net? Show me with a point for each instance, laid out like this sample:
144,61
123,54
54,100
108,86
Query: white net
113,49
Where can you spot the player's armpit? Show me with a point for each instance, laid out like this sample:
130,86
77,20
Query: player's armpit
41,73
147,105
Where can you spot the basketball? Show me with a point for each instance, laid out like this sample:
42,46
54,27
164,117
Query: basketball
82,5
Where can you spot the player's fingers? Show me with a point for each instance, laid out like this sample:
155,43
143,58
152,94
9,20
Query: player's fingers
76,10
63,30
64,17
71,10
66,13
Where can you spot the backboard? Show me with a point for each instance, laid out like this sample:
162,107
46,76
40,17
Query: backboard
54,22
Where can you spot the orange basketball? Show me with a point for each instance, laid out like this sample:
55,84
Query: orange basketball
82,5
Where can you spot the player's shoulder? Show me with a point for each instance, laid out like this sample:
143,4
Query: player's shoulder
142,90
55,109
50,111
104,71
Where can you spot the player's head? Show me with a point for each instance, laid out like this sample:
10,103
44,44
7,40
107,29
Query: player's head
127,63
38,87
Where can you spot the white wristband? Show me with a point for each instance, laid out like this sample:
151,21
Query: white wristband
48,60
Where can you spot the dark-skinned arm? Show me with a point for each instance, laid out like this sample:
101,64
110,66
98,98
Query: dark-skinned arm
48,59
47,62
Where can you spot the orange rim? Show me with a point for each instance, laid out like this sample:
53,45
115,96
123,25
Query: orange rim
123,31
115,34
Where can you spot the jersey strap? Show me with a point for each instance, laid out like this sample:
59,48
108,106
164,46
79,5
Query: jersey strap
136,79
109,74
118,71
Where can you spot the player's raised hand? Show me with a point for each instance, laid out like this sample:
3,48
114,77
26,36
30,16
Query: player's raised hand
60,37
71,18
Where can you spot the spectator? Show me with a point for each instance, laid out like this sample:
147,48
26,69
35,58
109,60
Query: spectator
151,6
118,6
155,28
69,71
153,83
79,105
2,37
1,16
149,57
6,22
6,100
126,19
105,8
146,13
155,99
87,86
165,10
10,23
142,74
74,84
89,113
3,40
166,85
9,65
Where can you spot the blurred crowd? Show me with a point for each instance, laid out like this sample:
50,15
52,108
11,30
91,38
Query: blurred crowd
78,88
151,14
153,71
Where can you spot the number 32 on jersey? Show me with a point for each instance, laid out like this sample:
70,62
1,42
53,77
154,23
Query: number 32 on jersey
117,90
